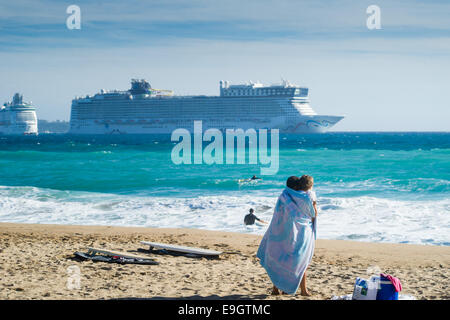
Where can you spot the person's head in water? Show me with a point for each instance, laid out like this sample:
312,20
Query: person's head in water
305,182
293,182
251,210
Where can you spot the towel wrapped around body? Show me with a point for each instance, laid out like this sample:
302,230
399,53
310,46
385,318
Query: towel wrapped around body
288,244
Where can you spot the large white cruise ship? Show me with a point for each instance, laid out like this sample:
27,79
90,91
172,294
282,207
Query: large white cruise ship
18,117
143,109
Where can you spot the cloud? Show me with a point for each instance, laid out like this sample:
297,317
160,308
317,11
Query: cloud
375,90
115,23
382,80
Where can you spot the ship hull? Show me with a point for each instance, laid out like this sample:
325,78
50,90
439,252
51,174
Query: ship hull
305,124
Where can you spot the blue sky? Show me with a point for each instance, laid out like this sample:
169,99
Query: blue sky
392,79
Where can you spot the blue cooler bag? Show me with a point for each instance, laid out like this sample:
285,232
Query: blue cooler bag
386,290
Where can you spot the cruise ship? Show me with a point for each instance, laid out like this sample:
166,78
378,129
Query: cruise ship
143,109
18,117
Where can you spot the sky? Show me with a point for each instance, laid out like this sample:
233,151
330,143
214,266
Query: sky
396,78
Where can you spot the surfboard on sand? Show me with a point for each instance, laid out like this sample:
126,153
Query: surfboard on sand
116,253
182,249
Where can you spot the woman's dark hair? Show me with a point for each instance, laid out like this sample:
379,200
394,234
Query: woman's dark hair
293,182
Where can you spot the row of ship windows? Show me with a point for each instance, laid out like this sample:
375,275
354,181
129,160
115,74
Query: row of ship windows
180,114
199,104
176,109
181,107
88,122
225,103
209,118
258,92
187,113
124,110
221,102
188,118
194,117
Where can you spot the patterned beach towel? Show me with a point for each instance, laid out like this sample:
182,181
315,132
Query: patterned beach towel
288,244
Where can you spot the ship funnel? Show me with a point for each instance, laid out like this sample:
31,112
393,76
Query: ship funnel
17,99
139,86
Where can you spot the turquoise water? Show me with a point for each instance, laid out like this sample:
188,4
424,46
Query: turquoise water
389,187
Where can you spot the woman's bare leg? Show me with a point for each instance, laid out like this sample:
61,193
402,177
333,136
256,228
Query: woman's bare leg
275,291
305,291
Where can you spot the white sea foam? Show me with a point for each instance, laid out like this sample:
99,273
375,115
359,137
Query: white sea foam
358,218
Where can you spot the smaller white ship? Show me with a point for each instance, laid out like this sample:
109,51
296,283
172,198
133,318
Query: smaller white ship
18,117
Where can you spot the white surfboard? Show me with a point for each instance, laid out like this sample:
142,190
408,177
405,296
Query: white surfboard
184,249
260,224
115,253
248,181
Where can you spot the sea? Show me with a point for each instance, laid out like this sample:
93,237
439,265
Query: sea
375,187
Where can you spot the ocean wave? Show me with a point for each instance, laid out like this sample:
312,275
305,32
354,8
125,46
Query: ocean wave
409,187
385,220
357,218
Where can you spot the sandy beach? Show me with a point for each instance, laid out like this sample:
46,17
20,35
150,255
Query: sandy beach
35,261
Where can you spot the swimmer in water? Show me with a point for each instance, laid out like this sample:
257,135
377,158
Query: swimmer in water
250,218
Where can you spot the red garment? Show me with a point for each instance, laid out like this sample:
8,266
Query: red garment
395,281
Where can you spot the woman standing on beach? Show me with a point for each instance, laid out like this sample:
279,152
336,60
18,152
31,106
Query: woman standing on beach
288,244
